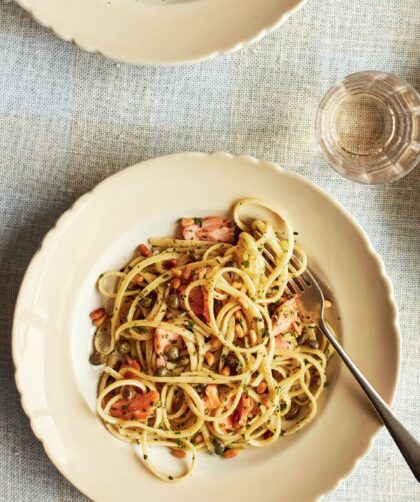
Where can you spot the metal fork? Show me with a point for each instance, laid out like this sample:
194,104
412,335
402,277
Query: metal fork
312,299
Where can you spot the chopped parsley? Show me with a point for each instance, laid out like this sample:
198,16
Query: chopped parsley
189,324
170,478
145,457
245,263
198,221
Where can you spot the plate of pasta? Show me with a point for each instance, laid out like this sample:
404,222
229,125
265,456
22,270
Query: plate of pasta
175,354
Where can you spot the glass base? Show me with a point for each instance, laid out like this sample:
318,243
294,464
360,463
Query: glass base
368,127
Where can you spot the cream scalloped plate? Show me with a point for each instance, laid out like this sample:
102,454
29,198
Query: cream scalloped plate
160,32
52,332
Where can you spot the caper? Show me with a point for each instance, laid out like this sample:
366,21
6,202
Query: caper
313,344
147,301
172,302
302,338
123,347
218,446
232,362
173,353
162,372
293,412
96,358
128,392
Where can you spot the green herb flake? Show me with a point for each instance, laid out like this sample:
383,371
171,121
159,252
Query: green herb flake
145,457
245,263
189,324
198,221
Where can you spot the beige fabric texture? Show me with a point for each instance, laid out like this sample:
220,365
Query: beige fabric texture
69,119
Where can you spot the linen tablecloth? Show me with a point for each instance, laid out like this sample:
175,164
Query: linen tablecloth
68,119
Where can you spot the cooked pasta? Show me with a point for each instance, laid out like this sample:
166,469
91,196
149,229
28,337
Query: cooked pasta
204,346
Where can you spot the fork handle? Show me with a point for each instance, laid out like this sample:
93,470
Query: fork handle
406,442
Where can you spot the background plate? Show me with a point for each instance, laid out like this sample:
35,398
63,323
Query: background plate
52,332
160,32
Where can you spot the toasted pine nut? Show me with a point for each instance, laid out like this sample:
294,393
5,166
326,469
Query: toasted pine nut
98,322
175,283
96,314
186,222
138,278
266,401
178,453
327,304
252,336
173,262
209,357
226,371
198,438
186,274
239,332
144,250
237,315
230,453
176,272
262,387
215,343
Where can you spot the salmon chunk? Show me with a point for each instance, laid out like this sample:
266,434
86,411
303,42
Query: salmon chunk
210,228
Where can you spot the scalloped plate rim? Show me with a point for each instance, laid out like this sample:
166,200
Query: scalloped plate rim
81,200
162,62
